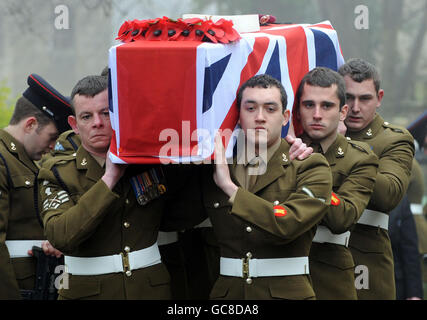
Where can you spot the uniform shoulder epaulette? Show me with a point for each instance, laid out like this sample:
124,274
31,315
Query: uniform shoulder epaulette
58,160
68,133
393,127
359,145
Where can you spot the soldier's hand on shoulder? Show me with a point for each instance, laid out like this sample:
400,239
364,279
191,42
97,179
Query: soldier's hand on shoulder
298,150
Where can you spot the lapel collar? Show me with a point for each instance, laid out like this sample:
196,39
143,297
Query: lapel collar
17,149
337,150
370,131
275,167
85,161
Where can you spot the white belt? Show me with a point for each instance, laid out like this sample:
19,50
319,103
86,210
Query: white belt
204,224
165,238
323,234
19,248
374,219
245,268
115,263
416,208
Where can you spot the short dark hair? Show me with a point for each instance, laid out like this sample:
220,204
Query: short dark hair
263,81
105,71
360,70
24,109
325,78
89,86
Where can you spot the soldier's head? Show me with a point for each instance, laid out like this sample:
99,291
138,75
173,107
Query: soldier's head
364,94
262,104
91,119
321,105
39,116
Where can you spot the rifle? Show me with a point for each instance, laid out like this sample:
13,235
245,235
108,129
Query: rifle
44,288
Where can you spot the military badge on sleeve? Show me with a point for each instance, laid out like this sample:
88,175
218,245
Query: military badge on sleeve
59,147
55,200
148,185
279,211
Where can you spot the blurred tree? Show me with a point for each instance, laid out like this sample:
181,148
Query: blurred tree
6,104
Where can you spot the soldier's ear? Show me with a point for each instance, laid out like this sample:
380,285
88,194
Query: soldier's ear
380,96
286,116
343,112
30,124
73,124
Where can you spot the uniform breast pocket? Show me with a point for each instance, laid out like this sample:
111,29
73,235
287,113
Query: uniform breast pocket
22,197
23,181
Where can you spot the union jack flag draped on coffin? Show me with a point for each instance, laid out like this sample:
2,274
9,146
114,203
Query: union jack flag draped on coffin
168,98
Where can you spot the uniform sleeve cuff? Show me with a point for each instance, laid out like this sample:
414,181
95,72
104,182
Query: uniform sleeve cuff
233,196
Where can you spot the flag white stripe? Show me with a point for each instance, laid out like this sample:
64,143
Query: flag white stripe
114,118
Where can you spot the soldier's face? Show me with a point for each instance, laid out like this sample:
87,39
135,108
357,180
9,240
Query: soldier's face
92,122
363,102
261,115
319,113
39,141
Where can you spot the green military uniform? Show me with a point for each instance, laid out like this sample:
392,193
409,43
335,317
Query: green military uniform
18,216
67,143
415,197
84,218
274,219
370,245
354,167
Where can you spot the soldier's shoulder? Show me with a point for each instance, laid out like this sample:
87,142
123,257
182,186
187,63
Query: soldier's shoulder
359,146
66,134
395,129
395,135
59,161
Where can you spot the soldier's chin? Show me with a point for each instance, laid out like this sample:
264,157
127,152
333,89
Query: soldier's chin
101,145
353,125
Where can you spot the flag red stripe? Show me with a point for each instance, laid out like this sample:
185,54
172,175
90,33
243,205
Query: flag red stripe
144,70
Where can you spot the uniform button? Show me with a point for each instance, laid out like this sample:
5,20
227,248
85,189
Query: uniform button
127,201
126,224
216,204
27,183
248,229
128,273
249,281
127,249
249,255
348,138
276,202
